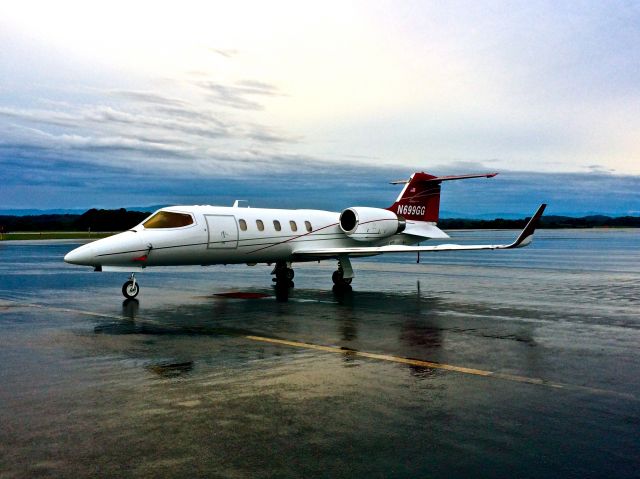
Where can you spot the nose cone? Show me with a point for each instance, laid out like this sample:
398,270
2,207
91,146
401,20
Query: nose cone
117,250
83,255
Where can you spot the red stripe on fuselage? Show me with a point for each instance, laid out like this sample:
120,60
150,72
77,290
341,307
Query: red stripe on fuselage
292,238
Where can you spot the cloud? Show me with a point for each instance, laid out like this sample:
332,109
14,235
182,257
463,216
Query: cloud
172,149
147,97
191,113
50,117
528,83
225,52
202,128
146,129
241,95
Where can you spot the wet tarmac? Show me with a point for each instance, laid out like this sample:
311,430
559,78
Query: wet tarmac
487,364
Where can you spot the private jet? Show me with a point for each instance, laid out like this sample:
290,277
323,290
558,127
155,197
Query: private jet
207,235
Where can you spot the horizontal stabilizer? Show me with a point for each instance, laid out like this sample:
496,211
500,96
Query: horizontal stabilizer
426,178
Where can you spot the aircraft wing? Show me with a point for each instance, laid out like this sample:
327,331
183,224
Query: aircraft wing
524,239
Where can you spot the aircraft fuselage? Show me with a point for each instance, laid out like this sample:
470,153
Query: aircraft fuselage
224,235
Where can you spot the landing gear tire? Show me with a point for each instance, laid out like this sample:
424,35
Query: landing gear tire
284,277
340,281
285,274
338,278
130,289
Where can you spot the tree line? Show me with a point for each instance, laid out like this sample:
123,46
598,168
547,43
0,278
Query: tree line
92,220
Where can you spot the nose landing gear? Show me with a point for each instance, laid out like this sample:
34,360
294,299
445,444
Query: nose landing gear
130,288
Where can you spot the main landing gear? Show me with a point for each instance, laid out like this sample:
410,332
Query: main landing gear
343,276
130,288
283,274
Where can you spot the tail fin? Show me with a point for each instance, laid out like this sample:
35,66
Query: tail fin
420,198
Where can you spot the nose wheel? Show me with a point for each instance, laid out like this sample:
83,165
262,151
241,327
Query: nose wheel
130,288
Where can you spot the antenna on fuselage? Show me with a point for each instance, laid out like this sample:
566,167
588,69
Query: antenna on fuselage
236,203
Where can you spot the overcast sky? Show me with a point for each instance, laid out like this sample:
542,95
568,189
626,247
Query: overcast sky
131,103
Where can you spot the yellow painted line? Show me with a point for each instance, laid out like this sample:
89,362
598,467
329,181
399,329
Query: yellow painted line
381,357
434,365
362,354
64,310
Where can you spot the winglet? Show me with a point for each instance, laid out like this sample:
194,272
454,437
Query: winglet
526,236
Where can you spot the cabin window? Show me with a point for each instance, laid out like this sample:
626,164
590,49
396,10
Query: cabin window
276,225
243,225
260,225
168,219
307,225
294,226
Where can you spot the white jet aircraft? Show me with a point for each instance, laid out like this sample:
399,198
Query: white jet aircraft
205,235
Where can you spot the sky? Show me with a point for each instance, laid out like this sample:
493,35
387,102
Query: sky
320,104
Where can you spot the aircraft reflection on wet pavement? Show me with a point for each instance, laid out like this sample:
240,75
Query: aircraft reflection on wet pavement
421,328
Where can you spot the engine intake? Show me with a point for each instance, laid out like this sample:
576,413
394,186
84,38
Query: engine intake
368,224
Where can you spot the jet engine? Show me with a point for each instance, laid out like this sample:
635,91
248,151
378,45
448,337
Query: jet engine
368,224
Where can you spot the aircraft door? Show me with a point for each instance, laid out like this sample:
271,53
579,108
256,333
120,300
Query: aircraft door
223,231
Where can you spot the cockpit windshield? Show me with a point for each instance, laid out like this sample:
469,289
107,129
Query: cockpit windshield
168,219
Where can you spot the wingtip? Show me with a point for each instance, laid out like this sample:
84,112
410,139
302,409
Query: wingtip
538,214
526,236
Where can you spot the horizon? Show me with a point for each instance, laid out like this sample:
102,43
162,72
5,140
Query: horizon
320,107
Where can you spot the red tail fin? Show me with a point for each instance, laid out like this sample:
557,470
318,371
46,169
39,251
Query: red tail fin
420,198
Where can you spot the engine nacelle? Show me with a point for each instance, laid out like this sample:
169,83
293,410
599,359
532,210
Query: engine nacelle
368,224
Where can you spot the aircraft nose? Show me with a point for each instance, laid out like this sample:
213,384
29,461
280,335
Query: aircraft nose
83,255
